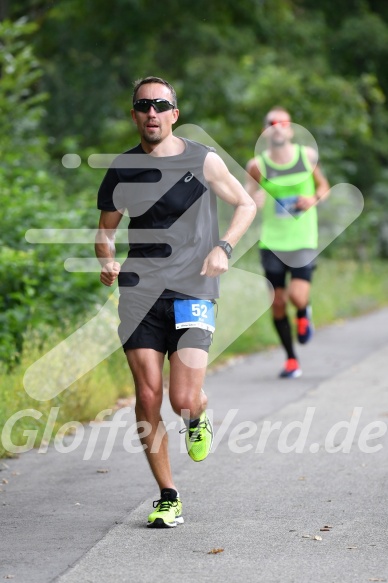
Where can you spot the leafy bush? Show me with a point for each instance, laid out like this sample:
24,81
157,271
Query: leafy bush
34,287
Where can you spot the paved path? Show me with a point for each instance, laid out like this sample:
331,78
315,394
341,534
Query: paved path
277,475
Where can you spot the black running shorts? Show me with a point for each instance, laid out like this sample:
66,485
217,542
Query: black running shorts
276,270
156,329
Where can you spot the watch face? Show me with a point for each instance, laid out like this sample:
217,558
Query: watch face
226,247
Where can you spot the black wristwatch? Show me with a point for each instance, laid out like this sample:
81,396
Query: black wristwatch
226,247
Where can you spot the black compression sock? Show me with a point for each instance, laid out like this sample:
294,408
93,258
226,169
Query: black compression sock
283,329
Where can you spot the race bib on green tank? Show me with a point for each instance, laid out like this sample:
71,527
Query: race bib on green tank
194,314
284,207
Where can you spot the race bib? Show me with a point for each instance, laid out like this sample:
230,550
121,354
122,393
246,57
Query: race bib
194,314
284,207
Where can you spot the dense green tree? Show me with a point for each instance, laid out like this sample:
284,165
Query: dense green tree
34,288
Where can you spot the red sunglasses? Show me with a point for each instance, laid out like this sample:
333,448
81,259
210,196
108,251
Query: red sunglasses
270,123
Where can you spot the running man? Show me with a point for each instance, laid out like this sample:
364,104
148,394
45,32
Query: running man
170,280
291,185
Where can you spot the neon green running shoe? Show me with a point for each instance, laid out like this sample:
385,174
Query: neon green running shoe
199,439
168,510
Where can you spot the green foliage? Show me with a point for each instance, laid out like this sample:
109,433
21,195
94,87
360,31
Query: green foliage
34,287
19,102
230,62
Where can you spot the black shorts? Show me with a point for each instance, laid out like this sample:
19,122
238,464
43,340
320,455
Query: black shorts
276,270
156,329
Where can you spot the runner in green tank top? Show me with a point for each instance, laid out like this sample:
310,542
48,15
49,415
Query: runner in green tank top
290,184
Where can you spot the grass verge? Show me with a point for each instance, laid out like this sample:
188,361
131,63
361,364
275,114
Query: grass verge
24,420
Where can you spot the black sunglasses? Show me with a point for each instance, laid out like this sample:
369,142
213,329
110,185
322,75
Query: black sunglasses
159,105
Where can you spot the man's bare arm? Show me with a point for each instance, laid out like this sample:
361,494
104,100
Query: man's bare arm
322,186
229,189
252,184
105,246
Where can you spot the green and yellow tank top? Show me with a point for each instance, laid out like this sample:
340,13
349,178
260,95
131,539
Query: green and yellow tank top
284,227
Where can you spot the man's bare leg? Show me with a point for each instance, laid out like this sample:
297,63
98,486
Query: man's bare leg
299,293
187,374
147,367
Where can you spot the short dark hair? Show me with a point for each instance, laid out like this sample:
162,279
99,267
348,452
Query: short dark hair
139,82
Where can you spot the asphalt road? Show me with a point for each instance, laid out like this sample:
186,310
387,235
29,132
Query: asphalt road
290,458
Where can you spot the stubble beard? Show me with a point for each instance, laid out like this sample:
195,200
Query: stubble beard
152,139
